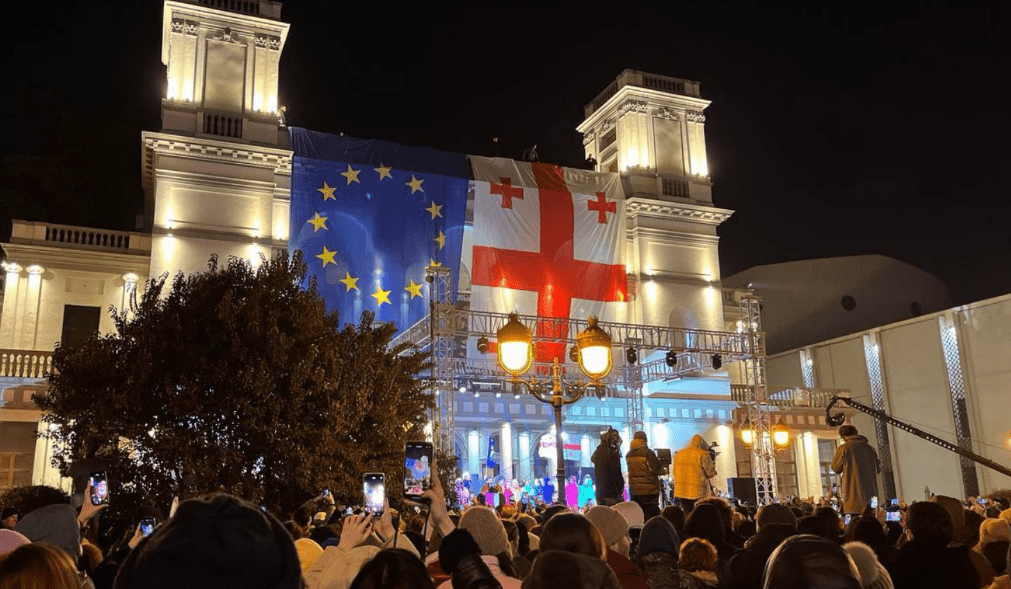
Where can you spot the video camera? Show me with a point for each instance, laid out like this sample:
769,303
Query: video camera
611,438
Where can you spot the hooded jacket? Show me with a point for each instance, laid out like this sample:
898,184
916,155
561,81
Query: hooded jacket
643,468
607,468
693,467
857,462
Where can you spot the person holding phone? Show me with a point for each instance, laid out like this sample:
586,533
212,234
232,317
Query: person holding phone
856,462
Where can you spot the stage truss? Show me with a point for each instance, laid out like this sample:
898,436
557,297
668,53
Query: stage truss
450,331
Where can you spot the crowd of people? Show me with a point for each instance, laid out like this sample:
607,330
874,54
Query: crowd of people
705,542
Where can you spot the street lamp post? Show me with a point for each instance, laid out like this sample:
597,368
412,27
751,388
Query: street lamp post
515,355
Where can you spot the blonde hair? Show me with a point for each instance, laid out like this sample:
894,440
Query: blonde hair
38,566
697,554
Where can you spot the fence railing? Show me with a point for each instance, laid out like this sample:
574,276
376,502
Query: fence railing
25,363
119,240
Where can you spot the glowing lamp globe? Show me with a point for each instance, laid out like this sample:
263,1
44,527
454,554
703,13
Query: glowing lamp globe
515,348
594,350
748,434
780,435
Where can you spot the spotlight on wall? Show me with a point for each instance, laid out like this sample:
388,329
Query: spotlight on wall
482,345
463,389
717,361
671,359
631,355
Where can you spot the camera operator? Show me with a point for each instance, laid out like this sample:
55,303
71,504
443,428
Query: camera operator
607,468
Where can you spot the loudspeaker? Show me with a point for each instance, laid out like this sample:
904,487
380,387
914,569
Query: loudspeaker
743,489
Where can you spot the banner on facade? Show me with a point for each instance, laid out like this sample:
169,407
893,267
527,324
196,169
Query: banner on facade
570,451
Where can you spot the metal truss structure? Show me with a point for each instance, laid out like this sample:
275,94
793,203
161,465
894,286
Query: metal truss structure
450,330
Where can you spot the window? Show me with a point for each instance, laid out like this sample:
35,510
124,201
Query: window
826,451
79,323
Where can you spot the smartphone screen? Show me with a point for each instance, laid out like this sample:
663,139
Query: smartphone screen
417,468
147,526
892,516
982,500
375,492
326,493
874,502
895,502
100,488
847,518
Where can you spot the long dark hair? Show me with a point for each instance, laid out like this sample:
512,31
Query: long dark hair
393,568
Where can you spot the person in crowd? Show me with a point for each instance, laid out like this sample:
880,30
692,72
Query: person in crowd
520,563
705,522
727,516
873,574
490,534
548,491
1003,581
658,557
555,569
816,526
462,557
572,494
810,561
698,557
693,467
308,553
10,540
675,515
636,519
58,524
856,462
614,528
994,542
775,523
607,468
926,560
586,493
218,541
962,536
8,518
39,566
644,475
835,523
572,532
869,531
393,568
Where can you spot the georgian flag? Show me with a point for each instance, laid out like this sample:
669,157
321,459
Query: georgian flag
547,241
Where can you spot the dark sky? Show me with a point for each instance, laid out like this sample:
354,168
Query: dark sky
834,130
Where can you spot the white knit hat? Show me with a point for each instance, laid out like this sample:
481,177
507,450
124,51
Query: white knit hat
632,512
872,574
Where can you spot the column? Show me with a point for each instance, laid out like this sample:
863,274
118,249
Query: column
526,463
507,451
31,309
474,455
586,451
129,293
10,308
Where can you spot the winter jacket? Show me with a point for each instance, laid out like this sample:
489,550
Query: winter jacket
336,568
931,565
558,569
857,462
693,467
1002,582
628,574
607,468
662,572
643,468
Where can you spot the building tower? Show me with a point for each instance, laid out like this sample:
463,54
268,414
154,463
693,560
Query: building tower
651,130
217,175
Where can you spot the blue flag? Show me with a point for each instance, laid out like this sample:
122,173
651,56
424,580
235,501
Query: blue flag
491,462
370,216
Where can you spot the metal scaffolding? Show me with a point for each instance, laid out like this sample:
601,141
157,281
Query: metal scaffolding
764,456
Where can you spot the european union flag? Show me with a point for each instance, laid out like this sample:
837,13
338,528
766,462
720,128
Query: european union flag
370,216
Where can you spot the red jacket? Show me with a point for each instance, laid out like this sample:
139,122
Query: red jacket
628,574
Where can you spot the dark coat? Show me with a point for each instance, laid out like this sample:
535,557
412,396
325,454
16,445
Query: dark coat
857,462
643,469
607,468
662,572
625,570
931,565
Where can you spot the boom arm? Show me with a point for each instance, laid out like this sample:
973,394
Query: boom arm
838,418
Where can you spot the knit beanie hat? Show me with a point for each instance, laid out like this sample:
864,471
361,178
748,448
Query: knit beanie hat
957,512
55,524
994,530
632,512
9,540
612,525
215,542
658,535
487,529
872,574
456,546
775,513
308,551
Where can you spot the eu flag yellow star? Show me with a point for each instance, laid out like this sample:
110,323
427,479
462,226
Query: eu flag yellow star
435,210
327,191
351,175
384,172
317,222
433,263
327,256
415,184
441,239
381,296
414,289
349,282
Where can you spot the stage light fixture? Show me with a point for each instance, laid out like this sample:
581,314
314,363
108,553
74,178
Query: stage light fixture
671,359
717,361
482,345
631,355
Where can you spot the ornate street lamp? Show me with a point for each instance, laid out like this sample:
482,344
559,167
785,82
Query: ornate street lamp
515,355
780,435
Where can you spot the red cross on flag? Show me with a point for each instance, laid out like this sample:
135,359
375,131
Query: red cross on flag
548,241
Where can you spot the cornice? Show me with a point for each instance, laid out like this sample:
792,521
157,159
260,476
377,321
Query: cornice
653,98
208,149
71,258
659,209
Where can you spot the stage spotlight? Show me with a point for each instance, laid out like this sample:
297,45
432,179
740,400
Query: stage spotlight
574,354
463,389
671,359
497,395
482,345
631,356
477,394
717,362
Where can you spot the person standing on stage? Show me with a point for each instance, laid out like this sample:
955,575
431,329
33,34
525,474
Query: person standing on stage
643,475
693,467
607,468
856,462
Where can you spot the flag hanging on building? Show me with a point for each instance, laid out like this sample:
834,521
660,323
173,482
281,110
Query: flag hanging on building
548,241
492,461
370,216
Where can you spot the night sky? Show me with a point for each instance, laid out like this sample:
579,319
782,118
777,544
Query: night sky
851,129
